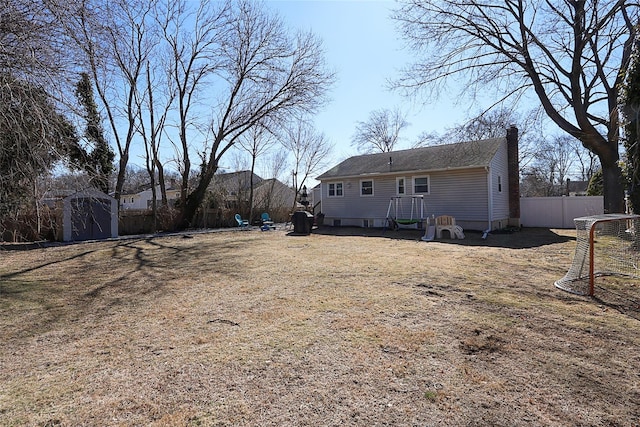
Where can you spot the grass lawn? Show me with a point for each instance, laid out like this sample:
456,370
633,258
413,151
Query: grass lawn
343,327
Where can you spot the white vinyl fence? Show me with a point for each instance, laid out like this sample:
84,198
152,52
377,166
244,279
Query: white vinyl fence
558,212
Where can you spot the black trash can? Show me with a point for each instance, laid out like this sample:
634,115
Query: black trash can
302,222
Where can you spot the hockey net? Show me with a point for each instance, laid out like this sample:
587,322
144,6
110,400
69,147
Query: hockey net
606,246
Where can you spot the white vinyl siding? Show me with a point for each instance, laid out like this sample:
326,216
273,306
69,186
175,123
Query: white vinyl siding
500,184
356,208
459,193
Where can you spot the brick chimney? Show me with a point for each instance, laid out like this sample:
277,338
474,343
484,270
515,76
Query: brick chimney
513,176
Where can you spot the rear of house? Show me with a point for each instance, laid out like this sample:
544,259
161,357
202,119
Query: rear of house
471,181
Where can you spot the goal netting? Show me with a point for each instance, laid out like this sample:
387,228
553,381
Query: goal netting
606,245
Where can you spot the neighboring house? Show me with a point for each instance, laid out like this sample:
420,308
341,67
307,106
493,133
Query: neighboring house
577,188
143,199
234,190
273,194
477,182
234,187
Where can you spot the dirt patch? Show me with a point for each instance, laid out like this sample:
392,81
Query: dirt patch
342,327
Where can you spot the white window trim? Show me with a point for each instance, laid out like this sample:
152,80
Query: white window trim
372,189
398,193
499,183
413,184
335,184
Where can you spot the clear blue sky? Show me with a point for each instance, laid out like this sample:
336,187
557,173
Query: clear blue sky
364,48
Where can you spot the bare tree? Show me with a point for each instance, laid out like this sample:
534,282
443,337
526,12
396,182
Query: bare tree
256,141
555,159
112,37
310,151
251,68
486,125
193,38
380,132
493,124
585,161
34,49
569,52
274,167
264,75
136,178
152,118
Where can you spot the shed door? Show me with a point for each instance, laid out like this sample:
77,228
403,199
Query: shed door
90,219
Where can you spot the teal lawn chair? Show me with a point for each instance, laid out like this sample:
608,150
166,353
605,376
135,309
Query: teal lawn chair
242,223
267,222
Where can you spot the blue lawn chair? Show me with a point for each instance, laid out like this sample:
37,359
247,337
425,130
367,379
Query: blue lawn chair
267,222
266,219
242,223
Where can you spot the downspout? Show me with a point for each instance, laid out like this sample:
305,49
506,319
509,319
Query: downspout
490,202
321,197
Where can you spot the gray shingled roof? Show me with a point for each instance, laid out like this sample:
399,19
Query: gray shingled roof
461,155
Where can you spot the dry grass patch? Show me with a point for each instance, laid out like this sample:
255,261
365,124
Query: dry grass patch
351,327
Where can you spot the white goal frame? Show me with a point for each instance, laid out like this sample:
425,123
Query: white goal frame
621,233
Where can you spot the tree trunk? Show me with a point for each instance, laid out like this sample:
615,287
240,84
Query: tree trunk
613,189
253,165
195,198
154,201
163,185
124,159
612,180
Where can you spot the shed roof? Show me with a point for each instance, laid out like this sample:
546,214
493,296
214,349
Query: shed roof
462,155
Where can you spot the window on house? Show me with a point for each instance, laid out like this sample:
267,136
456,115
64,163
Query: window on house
499,184
335,189
366,188
400,190
420,184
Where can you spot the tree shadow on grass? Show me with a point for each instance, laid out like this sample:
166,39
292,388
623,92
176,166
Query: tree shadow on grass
99,278
511,239
623,299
